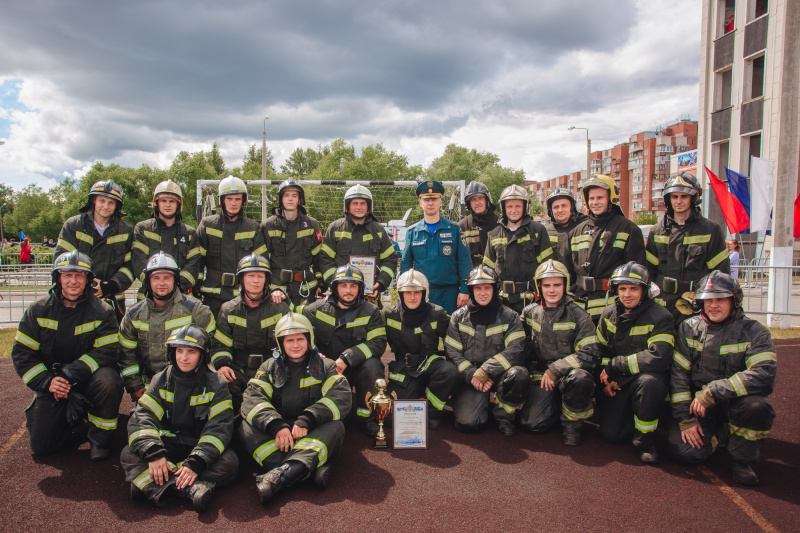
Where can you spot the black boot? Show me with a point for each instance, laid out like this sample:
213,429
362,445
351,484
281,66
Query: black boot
506,427
322,476
279,478
645,448
434,424
136,494
200,493
97,453
742,472
571,434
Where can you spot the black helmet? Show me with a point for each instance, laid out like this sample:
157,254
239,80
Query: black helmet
254,263
72,261
631,273
161,261
718,285
475,188
559,193
685,183
193,337
347,274
288,184
106,188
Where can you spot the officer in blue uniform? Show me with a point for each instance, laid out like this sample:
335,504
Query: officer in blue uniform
434,247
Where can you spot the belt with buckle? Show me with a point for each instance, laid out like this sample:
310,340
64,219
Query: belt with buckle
590,284
675,286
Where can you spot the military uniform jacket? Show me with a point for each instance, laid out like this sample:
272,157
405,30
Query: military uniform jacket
559,235
318,399
222,244
344,238
495,348
734,359
90,343
201,417
560,338
475,234
243,331
179,241
516,255
293,245
415,347
442,257
685,253
144,331
641,340
110,253
359,332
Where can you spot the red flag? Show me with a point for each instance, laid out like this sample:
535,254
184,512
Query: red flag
797,217
732,209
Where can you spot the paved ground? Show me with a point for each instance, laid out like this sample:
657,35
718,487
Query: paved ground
462,482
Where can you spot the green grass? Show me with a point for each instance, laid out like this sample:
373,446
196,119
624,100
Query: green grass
791,333
6,341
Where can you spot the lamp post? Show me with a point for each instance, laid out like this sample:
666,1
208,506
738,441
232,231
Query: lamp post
264,170
588,150
2,237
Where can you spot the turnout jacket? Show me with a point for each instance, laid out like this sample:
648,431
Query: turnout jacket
494,348
685,253
559,235
733,359
110,253
345,238
222,244
515,255
560,339
640,340
356,333
243,331
293,245
144,331
311,396
475,234
50,335
179,240
193,411
415,347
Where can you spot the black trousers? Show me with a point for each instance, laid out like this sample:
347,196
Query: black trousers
472,406
570,400
363,377
436,383
322,444
634,411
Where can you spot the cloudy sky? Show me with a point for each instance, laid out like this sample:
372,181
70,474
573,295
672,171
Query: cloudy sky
136,82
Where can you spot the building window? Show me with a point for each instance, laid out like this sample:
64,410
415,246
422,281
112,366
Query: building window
722,89
757,8
725,16
754,78
751,146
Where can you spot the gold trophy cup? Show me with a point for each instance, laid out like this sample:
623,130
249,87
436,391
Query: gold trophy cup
381,405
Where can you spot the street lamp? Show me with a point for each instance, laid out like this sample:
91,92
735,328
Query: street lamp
588,150
264,150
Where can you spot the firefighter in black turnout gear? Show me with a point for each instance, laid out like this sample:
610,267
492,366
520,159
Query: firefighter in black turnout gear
482,219
179,433
636,337
293,411
486,342
723,371
685,246
564,216
65,351
244,337
562,355
100,233
599,244
352,332
414,327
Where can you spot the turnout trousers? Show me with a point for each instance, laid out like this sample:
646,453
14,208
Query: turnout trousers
363,378
472,406
571,399
322,444
634,410
436,384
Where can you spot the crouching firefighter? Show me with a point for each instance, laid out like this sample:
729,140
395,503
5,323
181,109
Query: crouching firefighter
723,372
65,351
563,353
413,329
486,342
179,433
637,336
293,411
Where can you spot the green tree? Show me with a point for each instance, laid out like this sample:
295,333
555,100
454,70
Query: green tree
251,165
644,218
216,161
301,162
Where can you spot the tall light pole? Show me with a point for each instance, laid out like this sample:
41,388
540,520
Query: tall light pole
2,237
588,150
264,170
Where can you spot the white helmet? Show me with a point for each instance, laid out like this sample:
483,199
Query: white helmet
357,191
232,185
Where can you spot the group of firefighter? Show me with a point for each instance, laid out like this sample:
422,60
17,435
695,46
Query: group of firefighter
261,331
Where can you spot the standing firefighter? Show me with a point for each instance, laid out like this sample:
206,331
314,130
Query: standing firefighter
294,242
564,217
563,355
66,351
244,338
476,226
179,433
434,247
147,324
100,233
599,244
723,371
166,232
351,332
685,246
636,335
293,411
224,239
359,234
517,246
414,327
486,342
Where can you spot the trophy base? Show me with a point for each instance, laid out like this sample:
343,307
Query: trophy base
380,444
